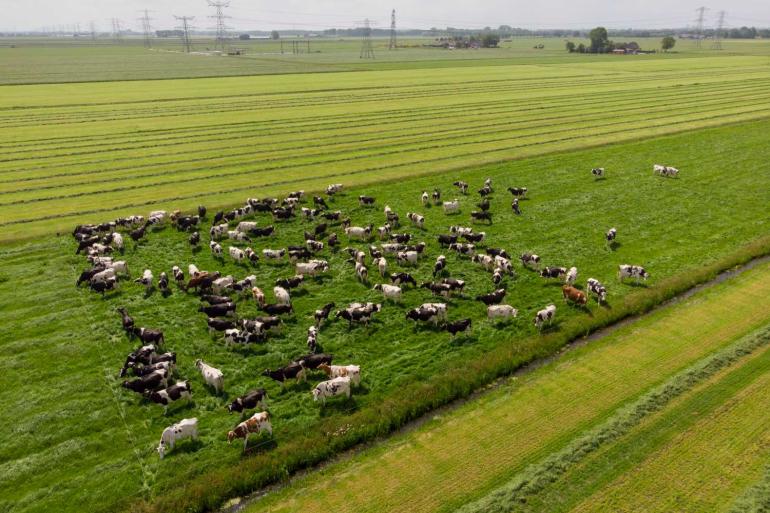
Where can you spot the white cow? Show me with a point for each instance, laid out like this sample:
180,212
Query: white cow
312,268
282,296
185,428
545,316
382,265
501,312
236,254
211,375
571,276
223,284
392,292
246,226
407,257
452,207
117,241
331,388
216,249
358,232
103,276
120,267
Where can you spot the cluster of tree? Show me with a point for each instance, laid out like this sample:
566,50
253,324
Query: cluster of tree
487,40
600,43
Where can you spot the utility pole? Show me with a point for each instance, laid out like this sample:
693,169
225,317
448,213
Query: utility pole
717,45
699,25
185,27
220,21
147,29
392,44
92,26
367,52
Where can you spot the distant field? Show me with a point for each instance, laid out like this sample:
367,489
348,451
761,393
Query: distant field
45,60
87,152
704,446
62,347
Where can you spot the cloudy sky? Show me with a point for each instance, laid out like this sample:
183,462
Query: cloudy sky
319,14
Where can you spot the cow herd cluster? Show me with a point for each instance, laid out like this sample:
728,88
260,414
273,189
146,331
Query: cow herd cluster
152,368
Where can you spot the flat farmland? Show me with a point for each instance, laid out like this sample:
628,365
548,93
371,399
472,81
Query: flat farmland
90,151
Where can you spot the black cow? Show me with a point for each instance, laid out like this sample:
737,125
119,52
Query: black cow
277,309
248,401
322,314
215,300
518,192
88,274
492,298
218,310
195,239
481,216
312,361
402,278
262,232
484,205
401,238
220,324
104,286
291,371
446,240
152,381
498,252
290,283
474,237
138,234
218,217
320,229
365,200
320,202
201,211
127,320
149,336
86,243
553,272
282,214
515,206
456,327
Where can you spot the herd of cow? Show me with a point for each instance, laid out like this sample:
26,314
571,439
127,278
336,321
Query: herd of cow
152,367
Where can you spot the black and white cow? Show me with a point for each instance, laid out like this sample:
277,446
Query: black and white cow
180,390
598,172
492,298
636,272
545,316
554,272
518,192
249,401
597,289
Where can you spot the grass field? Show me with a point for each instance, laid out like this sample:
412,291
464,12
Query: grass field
80,152
61,360
708,434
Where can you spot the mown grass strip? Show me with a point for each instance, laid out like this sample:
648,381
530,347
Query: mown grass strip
537,477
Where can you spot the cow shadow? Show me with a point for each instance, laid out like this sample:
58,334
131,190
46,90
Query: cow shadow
463,339
614,245
185,447
637,284
149,293
196,249
336,405
263,445
551,328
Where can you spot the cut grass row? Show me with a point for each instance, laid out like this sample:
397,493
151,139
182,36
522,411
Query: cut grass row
463,454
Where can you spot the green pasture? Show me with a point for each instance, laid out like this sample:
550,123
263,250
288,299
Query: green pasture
80,152
62,347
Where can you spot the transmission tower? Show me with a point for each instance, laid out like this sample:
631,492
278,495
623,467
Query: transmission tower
185,27
367,51
220,21
392,44
699,25
147,29
717,45
92,27
116,33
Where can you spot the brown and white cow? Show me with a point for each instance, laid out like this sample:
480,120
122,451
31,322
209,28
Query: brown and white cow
255,424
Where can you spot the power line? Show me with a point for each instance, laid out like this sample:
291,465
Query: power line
147,29
717,45
699,25
221,28
185,27
367,51
117,37
392,44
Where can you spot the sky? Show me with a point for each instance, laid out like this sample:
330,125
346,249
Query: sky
19,15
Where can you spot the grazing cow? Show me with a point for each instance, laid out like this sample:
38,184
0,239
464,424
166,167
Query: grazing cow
530,260
127,320
117,241
381,264
475,238
485,191
218,231
598,172
392,248
314,245
201,211
357,315
340,371
636,272
149,336
103,275
332,216
481,216
163,283
238,236
401,238
185,428
358,232
219,216
180,390
314,361
365,201
425,199
262,232
236,254
436,195
515,206
452,207
484,204
249,401
383,231
461,326
454,284
215,300
138,234
312,339
251,255
234,336
554,272
178,276
440,265
104,286
392,292
290,283
573,295
282,214
462,186
503,264
463,249
401,278
446,240
597,289
545,316
518,192
571,277
219,310
501,312
485,261
333,189
610,236
256,424
439,289
216,249
336,386
362,272
292,371
492,298
144,370
277,309
319,202
357,255
223,284
666,171
152,381
258,295
416,219
145,280
407,257
211,375
322,314
312,268
87,274
497,276
273,254
428,312
391,217
282,295
220,324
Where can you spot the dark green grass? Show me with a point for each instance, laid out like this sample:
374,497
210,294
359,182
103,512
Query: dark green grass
62,347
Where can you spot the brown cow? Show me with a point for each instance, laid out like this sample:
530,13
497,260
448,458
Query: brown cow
255,424
574,295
